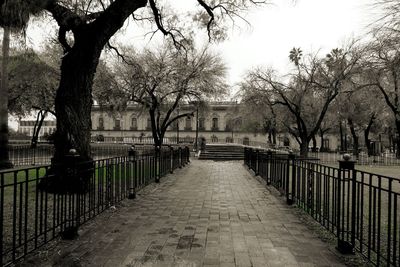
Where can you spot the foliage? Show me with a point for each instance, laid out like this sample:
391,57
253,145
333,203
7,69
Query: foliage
32,84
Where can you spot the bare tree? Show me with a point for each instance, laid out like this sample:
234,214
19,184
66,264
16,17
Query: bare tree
309,90
162,80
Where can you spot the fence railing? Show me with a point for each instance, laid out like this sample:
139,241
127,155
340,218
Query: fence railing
360,208
41,203
25,155
385,159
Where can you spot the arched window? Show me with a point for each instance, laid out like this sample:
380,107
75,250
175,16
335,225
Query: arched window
101,124
214,126
188,124
214,139
133,123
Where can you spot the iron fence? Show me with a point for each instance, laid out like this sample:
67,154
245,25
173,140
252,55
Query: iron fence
360,208
384,159
38,204
25,155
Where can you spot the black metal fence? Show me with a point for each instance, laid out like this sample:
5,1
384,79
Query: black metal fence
384,159
33,211
360,208
25,155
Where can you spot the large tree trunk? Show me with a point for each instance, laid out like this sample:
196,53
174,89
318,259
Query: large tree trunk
4,160
73,105
355,137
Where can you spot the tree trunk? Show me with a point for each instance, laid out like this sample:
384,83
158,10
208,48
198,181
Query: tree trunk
366,135
4,159
314,142
73,105
355,138
321,134
398,138
274,137
304,146
341,136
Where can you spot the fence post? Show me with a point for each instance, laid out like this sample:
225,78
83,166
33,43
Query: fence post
257,165
346,165
70,231
171,170
132,170
157,159
187,151
291,159
269,167
180,157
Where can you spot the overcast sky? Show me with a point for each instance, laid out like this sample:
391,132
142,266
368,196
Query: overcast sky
310,24
313,25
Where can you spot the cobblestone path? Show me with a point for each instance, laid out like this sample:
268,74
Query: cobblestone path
206,214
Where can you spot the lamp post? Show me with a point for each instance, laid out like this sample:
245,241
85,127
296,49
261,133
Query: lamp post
177,127
197,126
196,104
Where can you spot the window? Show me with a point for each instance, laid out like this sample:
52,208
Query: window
117,125
148,126
188,124
133,123
214,139
246,141
214,126
202,124
326,143
101,124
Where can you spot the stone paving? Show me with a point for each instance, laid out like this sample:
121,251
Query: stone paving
206,214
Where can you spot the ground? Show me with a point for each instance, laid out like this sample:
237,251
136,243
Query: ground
207,214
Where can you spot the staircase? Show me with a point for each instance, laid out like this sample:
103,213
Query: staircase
223,152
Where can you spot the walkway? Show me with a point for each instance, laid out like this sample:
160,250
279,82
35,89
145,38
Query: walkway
208,214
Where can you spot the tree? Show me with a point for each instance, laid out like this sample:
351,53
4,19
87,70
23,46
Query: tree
382,70
161,80
32,86
257,104
309,91
85,28
14,16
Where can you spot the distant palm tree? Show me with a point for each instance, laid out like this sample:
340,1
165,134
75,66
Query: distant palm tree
14,16
295,55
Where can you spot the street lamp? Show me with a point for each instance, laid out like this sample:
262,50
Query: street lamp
196,103
177,127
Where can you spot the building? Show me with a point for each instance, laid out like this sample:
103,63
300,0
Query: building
219,123
214,124
26,127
